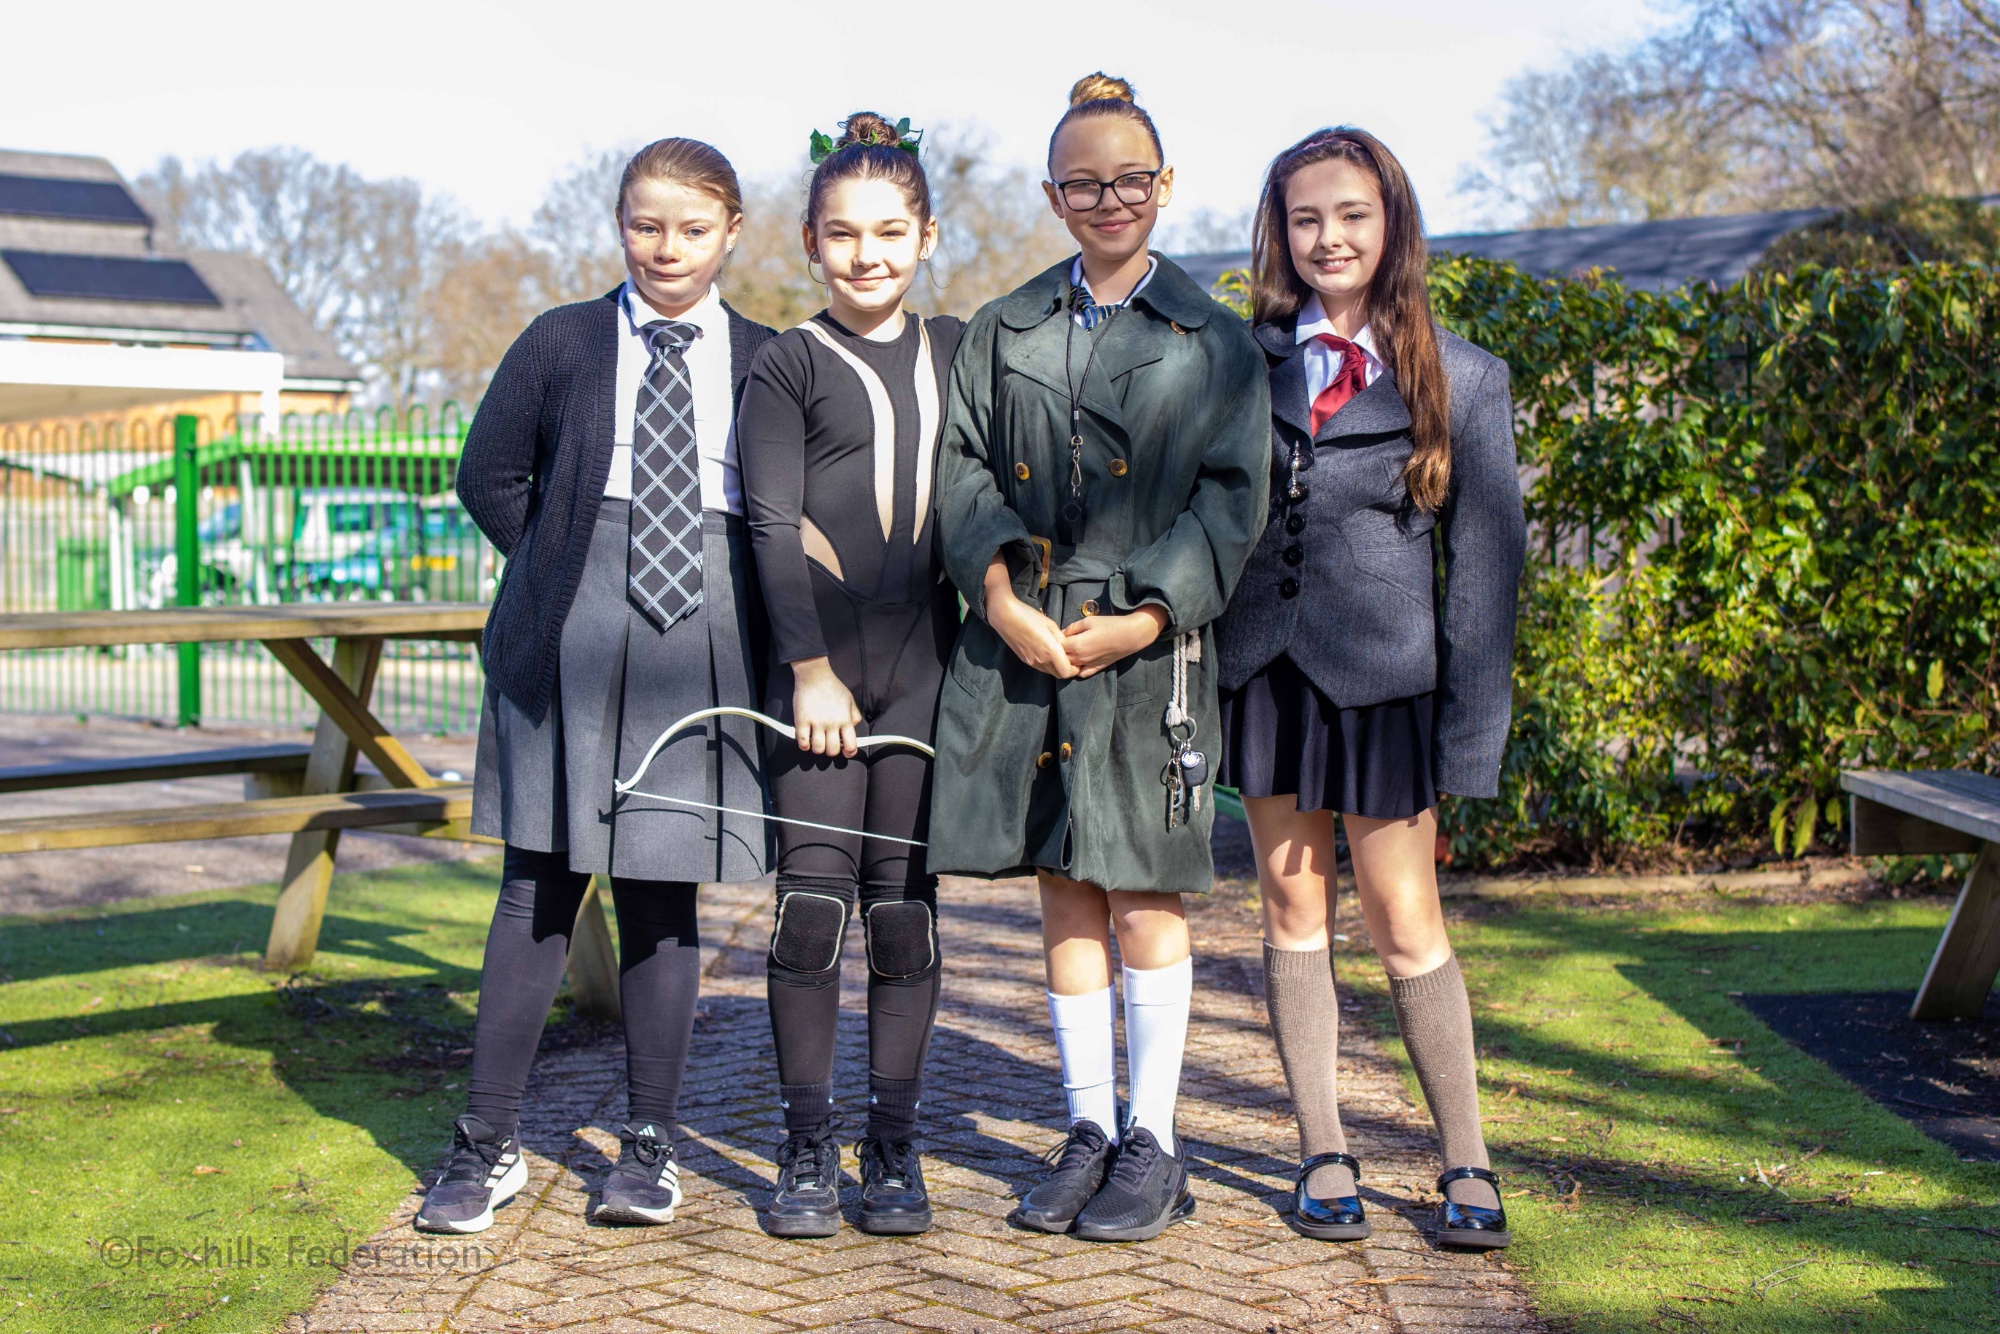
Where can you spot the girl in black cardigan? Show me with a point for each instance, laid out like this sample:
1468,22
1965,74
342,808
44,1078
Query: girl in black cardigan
1351,680
602,465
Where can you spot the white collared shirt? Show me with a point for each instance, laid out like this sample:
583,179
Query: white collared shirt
714,416
1077,279
1323,362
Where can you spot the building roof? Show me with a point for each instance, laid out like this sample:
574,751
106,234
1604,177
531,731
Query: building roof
1659,255
55,208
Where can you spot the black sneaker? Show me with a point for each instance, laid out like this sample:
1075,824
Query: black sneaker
483,1173
1083,1161
893,1199
1146,1192
645,1185
807,1200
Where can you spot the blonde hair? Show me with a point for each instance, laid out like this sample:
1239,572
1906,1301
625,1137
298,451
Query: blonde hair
688,162
1100,94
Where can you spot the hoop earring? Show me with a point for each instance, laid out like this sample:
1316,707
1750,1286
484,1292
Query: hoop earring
810,261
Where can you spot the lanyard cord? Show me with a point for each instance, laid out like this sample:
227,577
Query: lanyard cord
1073,307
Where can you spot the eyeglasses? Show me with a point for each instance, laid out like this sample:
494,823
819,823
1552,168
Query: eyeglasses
1084,194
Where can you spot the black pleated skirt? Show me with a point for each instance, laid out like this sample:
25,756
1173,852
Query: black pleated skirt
1281,736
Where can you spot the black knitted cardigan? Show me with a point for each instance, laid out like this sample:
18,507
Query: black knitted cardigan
532,477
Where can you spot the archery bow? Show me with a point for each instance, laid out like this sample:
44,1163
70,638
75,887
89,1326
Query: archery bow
629,788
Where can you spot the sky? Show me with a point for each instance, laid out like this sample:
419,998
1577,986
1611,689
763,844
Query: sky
489,102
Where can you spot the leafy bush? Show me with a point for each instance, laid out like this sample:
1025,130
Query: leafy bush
1878,238
1765,546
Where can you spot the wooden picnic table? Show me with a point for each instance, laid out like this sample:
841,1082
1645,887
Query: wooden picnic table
1940,811
309,792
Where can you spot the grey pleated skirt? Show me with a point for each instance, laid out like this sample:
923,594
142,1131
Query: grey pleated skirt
619,682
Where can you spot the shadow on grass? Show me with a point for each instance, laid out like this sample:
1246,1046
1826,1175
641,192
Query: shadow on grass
355,1049
1741,1090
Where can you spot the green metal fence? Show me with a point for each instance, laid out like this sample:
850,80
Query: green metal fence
186,512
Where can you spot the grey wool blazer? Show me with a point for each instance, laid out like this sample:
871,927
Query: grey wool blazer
1346,582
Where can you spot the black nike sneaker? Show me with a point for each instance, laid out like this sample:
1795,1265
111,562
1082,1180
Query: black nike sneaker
893,1199
1079,1172
807,1200
1146,1193
484,1171
646,1184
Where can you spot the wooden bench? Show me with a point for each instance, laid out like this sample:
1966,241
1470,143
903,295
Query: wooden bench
284,758
1940,811
425,811
311,793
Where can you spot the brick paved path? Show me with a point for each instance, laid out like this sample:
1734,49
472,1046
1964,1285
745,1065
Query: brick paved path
992,1106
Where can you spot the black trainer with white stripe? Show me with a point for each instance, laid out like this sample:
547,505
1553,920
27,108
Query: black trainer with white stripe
646,1184
485,1171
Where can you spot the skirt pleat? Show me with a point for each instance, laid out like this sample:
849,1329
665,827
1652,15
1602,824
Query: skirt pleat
1282,737
620,682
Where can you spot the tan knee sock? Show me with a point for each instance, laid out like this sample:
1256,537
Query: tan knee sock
1305,1019
1436,1020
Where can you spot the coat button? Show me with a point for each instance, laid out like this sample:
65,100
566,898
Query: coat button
1065,752
1289,588
1295,524
1119,467
1089,607
1294,554
1021,471
1043,762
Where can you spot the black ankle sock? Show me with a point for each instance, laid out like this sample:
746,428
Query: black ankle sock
892,1106
807,1106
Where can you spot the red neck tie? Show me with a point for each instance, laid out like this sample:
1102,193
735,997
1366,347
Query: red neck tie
1349,380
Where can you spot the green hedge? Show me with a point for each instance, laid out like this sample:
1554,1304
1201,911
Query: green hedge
1765,546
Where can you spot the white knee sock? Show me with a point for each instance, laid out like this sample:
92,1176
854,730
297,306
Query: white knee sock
1085,1040
1156,1024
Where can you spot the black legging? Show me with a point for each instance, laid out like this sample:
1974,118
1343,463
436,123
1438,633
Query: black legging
659,980
892,658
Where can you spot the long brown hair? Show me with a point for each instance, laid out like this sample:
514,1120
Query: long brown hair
1399,302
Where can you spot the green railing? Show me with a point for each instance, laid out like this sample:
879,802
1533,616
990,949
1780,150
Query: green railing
181,513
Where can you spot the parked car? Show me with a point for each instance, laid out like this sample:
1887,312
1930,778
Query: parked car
432,551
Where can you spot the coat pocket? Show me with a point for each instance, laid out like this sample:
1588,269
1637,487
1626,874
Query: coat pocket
1145,676
977,659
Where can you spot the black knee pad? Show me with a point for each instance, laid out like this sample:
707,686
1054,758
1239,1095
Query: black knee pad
812,920
902,940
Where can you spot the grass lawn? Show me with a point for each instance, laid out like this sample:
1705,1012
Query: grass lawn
1671,1164
179,1130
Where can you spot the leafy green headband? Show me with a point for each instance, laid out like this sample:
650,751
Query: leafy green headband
821,146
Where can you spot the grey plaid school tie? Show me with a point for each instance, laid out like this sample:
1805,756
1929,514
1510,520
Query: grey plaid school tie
663,572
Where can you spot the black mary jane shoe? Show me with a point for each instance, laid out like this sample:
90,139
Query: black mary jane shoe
1471,1225
1339,1219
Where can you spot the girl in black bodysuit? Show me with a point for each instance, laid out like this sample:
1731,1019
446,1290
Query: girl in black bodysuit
837,436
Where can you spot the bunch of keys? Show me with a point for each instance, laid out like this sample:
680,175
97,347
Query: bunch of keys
1184,776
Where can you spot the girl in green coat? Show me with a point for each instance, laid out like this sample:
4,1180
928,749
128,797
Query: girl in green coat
1102,479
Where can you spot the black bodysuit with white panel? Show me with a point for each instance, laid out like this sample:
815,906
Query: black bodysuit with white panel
837,438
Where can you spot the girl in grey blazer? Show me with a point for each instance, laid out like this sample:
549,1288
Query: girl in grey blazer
1353,678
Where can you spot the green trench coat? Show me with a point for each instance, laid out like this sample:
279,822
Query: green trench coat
1066,775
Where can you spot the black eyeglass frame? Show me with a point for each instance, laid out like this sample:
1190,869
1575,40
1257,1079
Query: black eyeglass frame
1097,197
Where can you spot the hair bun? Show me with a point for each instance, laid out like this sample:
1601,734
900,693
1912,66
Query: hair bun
1101,87
868,129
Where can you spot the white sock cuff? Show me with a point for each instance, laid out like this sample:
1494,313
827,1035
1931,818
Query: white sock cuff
1172,985
1089,1010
